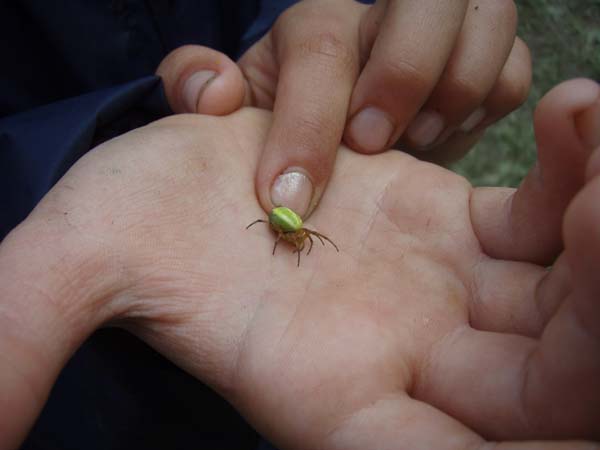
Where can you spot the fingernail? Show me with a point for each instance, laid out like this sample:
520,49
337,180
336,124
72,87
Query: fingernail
445,135
292,189
425,128
194,87
588,125
473,120
371,129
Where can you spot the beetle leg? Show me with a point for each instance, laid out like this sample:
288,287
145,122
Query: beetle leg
311,244
276,242
255,222
319,235
299,247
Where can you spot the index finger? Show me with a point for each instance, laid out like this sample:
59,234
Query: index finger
318,65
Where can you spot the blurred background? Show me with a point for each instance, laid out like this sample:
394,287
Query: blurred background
564,39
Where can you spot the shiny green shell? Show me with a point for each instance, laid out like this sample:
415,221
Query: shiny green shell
284,219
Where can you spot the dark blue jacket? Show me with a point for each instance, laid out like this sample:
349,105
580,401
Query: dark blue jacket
75,73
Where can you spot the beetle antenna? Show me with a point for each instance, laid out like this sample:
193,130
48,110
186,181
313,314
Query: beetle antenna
255,222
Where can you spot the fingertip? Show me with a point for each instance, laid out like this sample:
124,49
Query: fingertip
566,99
292,179
370,130
202,80
564,133
194,87
294,189
222,94
425,129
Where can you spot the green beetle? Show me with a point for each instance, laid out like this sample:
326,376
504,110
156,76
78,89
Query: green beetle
288,226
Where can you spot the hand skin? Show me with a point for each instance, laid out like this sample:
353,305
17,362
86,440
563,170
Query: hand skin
436,326
431,74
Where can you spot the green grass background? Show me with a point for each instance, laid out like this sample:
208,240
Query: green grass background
564,39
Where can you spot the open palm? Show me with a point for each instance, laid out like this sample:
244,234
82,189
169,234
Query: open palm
432,328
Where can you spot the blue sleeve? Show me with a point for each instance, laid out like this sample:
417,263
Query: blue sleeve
39,145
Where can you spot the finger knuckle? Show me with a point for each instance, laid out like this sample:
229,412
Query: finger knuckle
327,45
469,90
402,72
313,29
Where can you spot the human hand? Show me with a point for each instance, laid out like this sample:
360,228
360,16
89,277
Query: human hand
436,326
433,74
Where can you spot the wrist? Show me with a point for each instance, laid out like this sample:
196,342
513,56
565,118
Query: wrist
47,309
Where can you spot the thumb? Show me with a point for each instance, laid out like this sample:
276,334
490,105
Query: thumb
202,80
